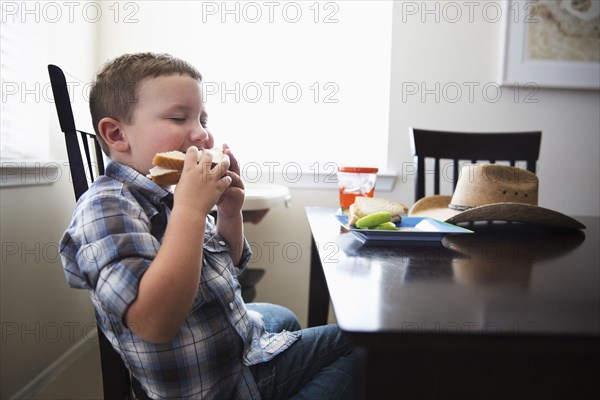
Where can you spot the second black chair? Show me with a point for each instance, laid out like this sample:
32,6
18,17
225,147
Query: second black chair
511,147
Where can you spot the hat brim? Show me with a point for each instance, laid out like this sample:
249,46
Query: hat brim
437,207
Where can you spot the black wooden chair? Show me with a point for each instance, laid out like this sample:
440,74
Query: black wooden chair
117,382
511,147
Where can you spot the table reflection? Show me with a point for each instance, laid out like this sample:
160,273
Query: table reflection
504,254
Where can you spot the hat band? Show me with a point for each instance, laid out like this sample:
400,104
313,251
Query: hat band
456,207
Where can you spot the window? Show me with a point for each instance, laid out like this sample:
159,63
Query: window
24,116
303,83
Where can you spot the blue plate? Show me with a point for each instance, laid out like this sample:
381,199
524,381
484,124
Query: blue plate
411,229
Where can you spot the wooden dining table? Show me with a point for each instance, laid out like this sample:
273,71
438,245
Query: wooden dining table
509,311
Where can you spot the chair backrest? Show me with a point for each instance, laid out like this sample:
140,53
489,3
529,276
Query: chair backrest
94,161
509,147
116,381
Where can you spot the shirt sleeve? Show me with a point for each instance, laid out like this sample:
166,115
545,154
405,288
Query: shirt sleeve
111,248
246,256
211,233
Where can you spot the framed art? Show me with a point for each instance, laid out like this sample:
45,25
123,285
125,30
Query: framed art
551,43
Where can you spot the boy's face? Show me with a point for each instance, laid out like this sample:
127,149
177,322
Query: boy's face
169,116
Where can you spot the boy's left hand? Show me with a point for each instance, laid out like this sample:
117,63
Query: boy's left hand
231,201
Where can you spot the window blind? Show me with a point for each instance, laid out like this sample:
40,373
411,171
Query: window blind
25,88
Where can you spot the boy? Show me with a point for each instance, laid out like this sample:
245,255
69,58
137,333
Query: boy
161,275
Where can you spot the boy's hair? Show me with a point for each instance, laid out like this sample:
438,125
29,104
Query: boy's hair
114,93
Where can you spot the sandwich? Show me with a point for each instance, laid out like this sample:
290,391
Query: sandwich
169,165
364,206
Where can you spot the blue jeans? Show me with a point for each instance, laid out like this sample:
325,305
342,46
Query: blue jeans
318,366
276,317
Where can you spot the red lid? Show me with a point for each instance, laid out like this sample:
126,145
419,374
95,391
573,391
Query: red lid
359,170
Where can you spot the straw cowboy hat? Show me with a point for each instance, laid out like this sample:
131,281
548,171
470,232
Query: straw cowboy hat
491,192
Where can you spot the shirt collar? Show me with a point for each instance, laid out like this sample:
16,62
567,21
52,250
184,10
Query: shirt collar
130,177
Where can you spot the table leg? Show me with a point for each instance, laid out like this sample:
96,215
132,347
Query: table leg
318,295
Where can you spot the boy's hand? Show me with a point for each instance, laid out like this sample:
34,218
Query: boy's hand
231,201
201,187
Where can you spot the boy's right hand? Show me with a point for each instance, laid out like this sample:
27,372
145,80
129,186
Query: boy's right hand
201,186
169,286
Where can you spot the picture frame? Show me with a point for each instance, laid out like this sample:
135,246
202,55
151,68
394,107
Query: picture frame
528,21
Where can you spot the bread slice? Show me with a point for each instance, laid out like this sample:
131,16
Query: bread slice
217,155
169,160
164,176
168,165
364,206
175,159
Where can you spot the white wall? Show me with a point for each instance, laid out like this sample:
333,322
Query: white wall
422,53
468,53
41,317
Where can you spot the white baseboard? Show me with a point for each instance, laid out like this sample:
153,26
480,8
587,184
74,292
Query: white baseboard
56,368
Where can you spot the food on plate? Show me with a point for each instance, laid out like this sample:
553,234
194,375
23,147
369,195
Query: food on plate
168,165
364,206
387,226
372,220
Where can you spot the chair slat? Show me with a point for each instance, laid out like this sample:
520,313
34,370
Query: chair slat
420,177
436,175
80,184
99,157
454,173
86,148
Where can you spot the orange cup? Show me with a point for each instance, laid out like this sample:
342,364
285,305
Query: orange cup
355,181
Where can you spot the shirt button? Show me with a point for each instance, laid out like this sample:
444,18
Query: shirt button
231,305
222,243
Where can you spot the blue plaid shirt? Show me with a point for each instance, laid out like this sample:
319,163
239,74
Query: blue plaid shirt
116,231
